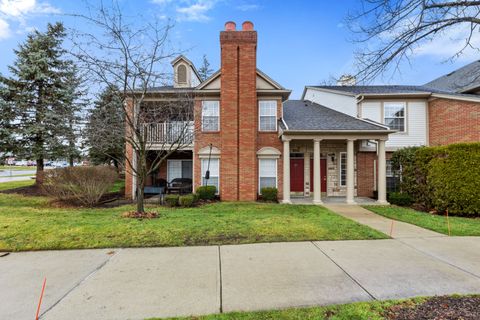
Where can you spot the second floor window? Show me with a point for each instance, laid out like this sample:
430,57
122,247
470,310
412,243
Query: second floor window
394,115
267,111
210,115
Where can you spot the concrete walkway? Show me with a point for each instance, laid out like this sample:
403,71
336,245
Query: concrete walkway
162,282
396,229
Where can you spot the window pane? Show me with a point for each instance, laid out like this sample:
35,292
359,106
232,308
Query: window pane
210,115
267,168
210,123
268,108
343,169
174,169
394,116
395,123
268,123
214,173
268,182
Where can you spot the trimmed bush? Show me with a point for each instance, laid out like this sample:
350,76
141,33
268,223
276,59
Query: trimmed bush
172,200
269,194
187,200
441,178
400,199
206,192
83,185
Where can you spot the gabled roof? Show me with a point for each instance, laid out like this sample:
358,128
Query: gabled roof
394,91
462,80
304,115
275,86
190,63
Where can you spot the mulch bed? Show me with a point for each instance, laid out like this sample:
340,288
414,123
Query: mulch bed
30,191
138,215
438,308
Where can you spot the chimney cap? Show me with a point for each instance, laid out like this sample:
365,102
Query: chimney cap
230,26
247,26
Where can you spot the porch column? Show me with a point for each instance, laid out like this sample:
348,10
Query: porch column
317,188
350,172
382,174
286,171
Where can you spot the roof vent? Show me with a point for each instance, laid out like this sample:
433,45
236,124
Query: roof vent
347,80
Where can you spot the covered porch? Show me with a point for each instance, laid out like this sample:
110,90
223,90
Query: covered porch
321,167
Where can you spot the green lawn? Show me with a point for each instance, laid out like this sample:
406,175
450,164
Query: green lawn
31,223
17,168
459,226
353,311
16,184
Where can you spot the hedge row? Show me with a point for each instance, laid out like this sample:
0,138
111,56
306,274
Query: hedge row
441,178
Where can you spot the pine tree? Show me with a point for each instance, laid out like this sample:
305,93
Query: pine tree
204,71
106,146
7,117
43,91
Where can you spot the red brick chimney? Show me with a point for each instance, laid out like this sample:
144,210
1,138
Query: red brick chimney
238,116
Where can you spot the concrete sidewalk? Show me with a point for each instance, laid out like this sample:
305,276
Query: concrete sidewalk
163,282
399,229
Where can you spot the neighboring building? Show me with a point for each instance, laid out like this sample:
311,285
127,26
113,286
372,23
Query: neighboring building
335,141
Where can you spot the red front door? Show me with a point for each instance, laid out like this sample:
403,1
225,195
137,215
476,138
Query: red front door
323,174
296,175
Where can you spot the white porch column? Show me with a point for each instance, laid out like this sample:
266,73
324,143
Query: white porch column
317,191
382,174
286,171
350,172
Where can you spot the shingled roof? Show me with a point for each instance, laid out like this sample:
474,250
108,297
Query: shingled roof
459,81
303,115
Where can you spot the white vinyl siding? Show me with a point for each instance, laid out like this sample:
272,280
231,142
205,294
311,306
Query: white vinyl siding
214,173
267,173
339,102
415,122
210,115
267,114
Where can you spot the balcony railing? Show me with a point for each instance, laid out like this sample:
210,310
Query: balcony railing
174,132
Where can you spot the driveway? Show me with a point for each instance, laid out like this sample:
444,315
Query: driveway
162,282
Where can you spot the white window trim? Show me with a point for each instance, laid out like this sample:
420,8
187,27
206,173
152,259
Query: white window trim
181,160
340,169
218,126
202,176
404,113
276,116
276,172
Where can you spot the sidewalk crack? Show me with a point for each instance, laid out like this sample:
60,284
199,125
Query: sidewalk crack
221,285
345,271
76,285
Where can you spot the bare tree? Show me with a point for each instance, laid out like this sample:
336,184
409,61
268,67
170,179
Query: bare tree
130,54
390,31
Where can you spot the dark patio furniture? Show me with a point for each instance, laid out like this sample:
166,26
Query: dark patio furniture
159,187
180,186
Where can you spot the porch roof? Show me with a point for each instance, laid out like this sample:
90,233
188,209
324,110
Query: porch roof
304,115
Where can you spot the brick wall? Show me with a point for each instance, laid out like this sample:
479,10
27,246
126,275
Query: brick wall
365,176
453,121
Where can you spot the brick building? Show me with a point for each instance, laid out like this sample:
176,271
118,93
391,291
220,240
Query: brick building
334,142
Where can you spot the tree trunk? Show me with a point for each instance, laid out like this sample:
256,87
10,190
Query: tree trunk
140,197
70,160
40,171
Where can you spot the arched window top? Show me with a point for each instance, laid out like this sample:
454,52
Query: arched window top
205,152
268,152
182,74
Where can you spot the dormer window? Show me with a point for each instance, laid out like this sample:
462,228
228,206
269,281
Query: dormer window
182,74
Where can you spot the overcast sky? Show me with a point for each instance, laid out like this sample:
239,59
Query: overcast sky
299,42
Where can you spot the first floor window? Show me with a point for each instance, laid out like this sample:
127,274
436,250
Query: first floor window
210,115
267,115
394,115
343,168
267,173
389,172
179,169
214,167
